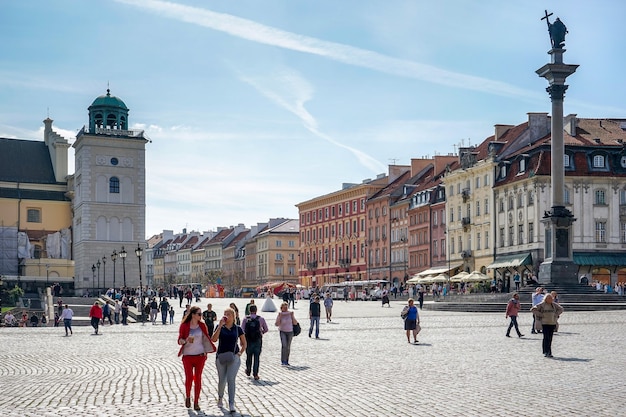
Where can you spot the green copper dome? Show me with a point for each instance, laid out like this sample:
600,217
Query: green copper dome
108,100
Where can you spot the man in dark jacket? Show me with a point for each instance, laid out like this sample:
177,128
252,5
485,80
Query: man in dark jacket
314,315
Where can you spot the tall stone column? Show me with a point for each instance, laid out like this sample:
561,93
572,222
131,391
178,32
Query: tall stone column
558,266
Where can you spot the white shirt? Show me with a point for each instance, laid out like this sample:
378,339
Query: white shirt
67,313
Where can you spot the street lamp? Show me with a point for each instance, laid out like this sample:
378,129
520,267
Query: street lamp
123,256
139,252
98,265
114,258
104,271
93,276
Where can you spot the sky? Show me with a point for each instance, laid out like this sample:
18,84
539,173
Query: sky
255,106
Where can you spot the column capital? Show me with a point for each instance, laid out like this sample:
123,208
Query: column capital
557,91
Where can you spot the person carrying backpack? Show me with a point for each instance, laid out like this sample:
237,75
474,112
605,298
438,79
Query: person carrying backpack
253,327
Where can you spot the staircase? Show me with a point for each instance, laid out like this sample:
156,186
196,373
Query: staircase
572,297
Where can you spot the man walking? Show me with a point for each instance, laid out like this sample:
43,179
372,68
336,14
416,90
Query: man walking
210,317
164,306
537,298
95,313
314,316
154,309
66,315
328,306
512,310
254,327
117,309
106,314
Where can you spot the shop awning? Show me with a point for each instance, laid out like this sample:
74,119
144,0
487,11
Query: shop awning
510,261
436,271
600,258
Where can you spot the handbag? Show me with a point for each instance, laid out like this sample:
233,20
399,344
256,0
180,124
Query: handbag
226,357
297,329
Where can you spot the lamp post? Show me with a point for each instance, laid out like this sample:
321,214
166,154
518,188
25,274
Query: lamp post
47,275
98,265
93,276
104,271
123,256
139,252
114,258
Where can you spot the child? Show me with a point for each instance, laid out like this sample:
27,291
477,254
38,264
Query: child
171,315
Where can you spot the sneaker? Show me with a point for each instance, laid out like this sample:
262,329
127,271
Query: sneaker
520,335
256,377
231,407
247,372
507,335
219,403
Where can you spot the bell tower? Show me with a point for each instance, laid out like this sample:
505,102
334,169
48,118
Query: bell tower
109,196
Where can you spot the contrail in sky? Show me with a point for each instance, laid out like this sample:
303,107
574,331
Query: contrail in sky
256,32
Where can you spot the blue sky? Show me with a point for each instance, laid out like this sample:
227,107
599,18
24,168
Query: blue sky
254,106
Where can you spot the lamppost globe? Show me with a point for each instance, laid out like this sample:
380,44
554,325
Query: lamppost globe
123,256
139,252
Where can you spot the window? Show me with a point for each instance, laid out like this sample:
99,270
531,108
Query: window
339,209
600,197
502,237
477,182
520,234
486,240
354,206
531,232
362,204
503,171
478,208
279,257
566,160
292,244
478,241
566,199
510,235
279,243
501,205
511,199
598,161
486,180
443,247
435,218
522,165
486,206
326,212
451,191
531,198
114,185
622,232
33,216
622,197
314,217
600,232
451,245
451,215
435,248
347,208
460,244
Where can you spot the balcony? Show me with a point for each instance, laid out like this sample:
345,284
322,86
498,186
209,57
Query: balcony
344,262
465,221
466,254
311,266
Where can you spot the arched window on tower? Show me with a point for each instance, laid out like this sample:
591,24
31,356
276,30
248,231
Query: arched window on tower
114,185
111,121
99,119
124,123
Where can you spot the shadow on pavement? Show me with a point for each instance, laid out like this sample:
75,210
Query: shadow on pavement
264,382
571,359
298,368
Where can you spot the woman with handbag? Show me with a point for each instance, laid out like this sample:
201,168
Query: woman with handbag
285,322
228,356
195,343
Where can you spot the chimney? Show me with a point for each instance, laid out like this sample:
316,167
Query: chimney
418,164
539,125
501,130
570,123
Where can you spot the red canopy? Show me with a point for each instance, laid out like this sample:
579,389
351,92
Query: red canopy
276,287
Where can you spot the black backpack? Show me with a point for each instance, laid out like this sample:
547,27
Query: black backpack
253,329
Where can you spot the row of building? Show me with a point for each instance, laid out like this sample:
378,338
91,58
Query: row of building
480,209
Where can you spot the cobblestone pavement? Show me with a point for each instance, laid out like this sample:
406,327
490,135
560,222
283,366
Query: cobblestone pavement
360,366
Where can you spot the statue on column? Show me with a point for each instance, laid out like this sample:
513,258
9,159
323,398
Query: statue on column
557,31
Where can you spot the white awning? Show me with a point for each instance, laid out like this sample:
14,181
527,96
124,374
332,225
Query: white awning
437,270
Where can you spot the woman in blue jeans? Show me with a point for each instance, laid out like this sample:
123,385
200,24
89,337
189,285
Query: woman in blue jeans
226,334
285,321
